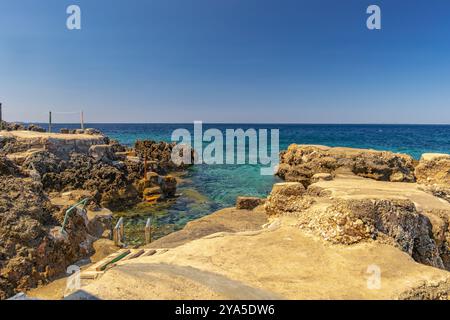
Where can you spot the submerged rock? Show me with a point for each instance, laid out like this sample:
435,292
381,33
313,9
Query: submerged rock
433,172
168,186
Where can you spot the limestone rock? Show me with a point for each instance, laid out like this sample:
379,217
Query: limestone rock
396,222
321,177
159,154
248,203
100,225
301,162
153,177
117,147
33,127
92,131
433,169
43,162
433,172
152,191
349,210
169,186
102,153
29,254
285,198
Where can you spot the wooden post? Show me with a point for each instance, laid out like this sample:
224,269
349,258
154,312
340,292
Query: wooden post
49,122
82,120
148,231
1,117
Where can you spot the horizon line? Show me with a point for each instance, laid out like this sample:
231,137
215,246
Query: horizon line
245,123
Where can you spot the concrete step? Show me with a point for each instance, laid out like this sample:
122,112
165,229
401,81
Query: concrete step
99,268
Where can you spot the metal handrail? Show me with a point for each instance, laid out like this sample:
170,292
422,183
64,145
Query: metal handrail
148,231
68,211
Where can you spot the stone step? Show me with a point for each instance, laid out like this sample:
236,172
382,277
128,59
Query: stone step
99,268
134,254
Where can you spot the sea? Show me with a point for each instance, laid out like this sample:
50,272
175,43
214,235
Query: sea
207,188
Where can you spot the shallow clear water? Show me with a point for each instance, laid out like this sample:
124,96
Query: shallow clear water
209,188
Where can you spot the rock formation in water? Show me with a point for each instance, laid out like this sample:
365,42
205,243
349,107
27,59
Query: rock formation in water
159,155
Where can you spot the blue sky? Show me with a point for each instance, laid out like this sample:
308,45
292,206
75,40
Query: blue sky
226,61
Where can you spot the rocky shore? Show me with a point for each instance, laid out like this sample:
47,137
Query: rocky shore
341,214
43,174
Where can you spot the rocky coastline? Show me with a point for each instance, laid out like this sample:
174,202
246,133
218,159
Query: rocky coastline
340,214
338,211
43,174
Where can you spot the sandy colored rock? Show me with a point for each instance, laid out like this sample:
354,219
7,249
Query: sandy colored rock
248,203
285,197
152,191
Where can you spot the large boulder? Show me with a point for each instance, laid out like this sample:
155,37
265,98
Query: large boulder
301,162
30,254
168,186
159,155
102,153
285,198
7,167
113,185
12,126
337,213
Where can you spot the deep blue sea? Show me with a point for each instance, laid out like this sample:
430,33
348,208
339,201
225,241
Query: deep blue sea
211,187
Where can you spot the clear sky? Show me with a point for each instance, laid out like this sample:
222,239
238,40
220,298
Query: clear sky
295,61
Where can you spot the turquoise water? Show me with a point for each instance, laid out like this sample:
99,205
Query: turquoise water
221,184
